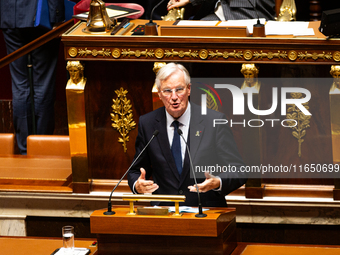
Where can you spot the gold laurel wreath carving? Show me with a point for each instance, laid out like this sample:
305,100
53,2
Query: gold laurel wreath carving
225,54
302,120
122,117
94,52
204,54
137,53
181,54
269,55
315,56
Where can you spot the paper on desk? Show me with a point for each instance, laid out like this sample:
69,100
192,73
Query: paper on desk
76,251
249,23
288,28
187,209
202,23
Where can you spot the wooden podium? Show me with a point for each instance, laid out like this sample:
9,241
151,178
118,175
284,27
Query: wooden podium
149,234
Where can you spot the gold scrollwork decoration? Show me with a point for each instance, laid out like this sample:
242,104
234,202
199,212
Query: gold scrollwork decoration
72,52
269,55
181,54
226,54
315,56
122,117
103,52
137,53
298,121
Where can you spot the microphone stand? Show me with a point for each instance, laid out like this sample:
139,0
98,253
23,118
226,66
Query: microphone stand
151,27
109,207
200,213
258,28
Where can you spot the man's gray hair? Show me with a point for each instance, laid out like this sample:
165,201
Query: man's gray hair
169,69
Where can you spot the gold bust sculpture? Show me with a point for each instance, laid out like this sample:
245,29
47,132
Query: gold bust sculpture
76,71
250,73
335,72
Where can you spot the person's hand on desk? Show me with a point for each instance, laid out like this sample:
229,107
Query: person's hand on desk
143,186
210,183
177,3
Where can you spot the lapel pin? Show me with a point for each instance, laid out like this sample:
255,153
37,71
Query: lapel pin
197,133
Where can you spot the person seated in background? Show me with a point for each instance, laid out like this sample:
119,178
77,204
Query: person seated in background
228,9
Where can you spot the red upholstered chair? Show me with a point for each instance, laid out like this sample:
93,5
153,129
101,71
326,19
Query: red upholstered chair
84,6
6,143
48,145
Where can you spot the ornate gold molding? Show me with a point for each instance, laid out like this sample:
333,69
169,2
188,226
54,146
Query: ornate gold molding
269,55
181,53
103,52
315,56
122,117
137,53
203,54
225,54
301,123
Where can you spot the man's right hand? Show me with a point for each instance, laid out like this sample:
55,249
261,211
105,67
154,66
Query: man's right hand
177,3
143,186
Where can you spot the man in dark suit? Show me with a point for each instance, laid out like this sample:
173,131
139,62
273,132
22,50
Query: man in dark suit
169,167
17,18
228,9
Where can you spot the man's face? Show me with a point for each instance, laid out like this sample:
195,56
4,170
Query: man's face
174,94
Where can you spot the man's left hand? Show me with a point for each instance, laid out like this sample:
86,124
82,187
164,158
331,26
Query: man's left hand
211,182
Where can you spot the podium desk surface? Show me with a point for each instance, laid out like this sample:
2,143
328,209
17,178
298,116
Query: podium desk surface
274,49
38,246
217,220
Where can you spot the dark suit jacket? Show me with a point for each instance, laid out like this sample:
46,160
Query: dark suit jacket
21,13
235,9
212,146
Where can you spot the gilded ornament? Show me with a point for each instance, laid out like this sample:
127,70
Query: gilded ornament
94,52
72,52
336,56
247,54
299,122
116,53
122,117
137,53
181,54
270,55
159,53
292,55
76,71
128,53
315,56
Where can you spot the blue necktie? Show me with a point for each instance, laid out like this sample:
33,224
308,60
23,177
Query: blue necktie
176,147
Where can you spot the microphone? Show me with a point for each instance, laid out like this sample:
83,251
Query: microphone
109,208
151,27
200,211
258,29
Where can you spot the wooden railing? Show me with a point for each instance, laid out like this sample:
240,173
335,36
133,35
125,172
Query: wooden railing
54,33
